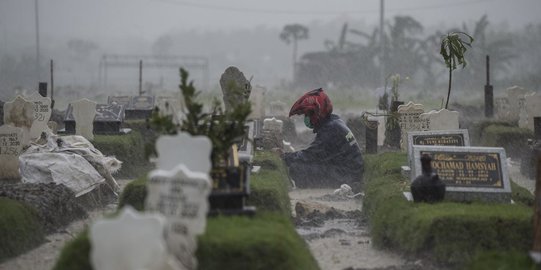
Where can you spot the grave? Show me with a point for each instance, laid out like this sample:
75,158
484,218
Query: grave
257,98
409,120
20,113
146,251
179,188
271,135
181,195
141,107
42,114
469,173
11,145
120,100
79,118
439,120
108,119
245,147
459,137
531,109
235,87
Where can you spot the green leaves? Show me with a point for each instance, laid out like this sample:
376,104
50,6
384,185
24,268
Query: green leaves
453,48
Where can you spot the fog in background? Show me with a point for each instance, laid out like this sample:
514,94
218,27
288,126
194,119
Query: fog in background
77,34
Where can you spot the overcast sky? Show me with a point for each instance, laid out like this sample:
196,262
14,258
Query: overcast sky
152,18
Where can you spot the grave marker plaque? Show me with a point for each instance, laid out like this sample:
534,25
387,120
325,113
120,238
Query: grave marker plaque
42,114
11,144
182,196
470,173
459,137
409,120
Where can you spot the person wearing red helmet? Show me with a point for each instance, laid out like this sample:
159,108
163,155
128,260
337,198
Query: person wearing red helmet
334,157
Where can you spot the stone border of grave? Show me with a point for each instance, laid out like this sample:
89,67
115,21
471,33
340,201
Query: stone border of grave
464,190
449,233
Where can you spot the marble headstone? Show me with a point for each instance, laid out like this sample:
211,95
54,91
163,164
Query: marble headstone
278,109
42,114
409,120
257,98
182,196
183,148
440,120
130,241
84,111
20,113
11,144
273,124
235,87
531,109
514,96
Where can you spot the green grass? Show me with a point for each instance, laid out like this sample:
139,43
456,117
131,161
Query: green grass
130,149
267,241
451,233
513,139
19,228
76,254
134,194
269,187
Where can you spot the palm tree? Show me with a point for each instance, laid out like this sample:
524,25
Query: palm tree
294,33
452,50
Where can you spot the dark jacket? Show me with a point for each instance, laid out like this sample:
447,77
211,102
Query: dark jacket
334,147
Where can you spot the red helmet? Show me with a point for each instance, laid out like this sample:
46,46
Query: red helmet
316,104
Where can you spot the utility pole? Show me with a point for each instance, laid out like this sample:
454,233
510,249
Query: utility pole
140,77
382,42
37,38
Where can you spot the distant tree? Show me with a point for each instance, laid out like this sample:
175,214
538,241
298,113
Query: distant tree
452,49
292,33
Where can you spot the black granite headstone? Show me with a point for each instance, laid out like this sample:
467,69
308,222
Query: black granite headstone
108,118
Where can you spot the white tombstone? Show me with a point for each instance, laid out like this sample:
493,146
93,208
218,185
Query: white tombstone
409,120
514,96
501,106
441,120
20,113
182,196
532,108
273,124
183,148
11,144
42,114
84,111
130,241
257,99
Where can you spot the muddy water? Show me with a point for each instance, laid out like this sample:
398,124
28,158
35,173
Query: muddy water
341,243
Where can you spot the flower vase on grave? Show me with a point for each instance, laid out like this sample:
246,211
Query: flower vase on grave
427,187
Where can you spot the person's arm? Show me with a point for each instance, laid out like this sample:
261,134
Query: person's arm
314,152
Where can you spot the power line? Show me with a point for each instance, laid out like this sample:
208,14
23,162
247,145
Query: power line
315,12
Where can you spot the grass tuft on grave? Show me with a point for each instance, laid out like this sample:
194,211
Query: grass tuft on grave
20,229
134,194
75,255
129,148
269,187
451,233
513,139
268,241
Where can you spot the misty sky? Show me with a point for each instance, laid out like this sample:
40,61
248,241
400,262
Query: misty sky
151,18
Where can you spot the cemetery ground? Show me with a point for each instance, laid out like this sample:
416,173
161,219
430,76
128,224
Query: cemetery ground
383,231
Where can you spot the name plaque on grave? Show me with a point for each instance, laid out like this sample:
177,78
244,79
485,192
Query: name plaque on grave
464,170
459,137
